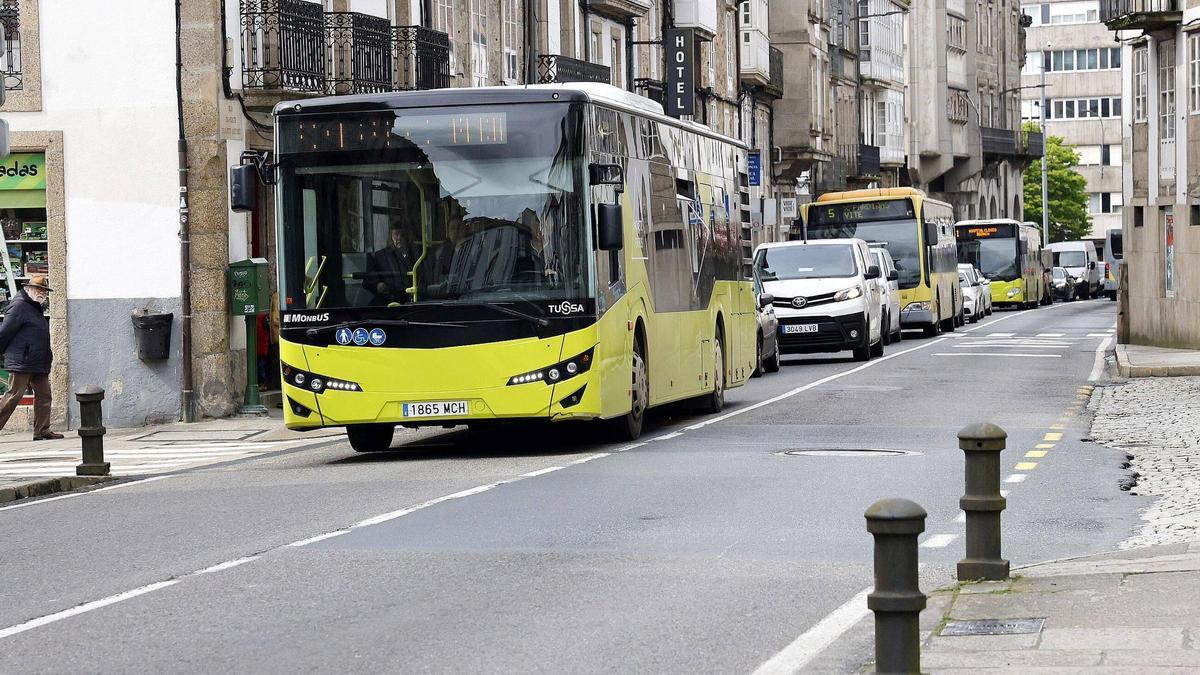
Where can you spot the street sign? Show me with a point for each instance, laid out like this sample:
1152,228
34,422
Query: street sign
787,207
681,75
754,168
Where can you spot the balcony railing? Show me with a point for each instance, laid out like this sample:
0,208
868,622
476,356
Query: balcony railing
360,53
775,84
421,58
1140,14
10,49
1003,143
283,45
655,90
556,69
1035,143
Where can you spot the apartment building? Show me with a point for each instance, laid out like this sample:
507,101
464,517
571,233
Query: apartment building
1076,56
1160,130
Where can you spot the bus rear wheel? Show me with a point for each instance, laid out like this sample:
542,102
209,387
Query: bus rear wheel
628,427
370,437
714,401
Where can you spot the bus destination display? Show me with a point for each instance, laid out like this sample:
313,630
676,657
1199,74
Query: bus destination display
857,212
994,231
383,130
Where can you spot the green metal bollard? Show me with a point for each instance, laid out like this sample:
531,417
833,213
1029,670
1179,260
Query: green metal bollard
91,431
897,599
982,502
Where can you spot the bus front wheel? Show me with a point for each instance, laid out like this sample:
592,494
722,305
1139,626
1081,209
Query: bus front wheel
629,426
370,437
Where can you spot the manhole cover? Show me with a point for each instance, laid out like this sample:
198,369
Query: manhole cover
846,452
992,627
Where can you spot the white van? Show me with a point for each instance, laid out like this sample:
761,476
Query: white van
825,295
1080,260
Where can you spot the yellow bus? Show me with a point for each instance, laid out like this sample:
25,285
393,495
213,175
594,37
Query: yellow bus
469,256
919,234
1009,253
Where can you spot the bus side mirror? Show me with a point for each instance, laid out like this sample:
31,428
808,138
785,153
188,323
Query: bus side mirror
610,227
243,181
606,174
931,234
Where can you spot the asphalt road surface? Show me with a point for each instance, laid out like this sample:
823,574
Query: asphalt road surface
703,548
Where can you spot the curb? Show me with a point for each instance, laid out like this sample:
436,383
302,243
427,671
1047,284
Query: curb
1128,370
49,486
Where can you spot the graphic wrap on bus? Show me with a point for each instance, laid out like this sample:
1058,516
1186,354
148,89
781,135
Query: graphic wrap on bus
917,232
439,261
1009,254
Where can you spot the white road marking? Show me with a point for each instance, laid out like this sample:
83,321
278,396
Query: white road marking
71,495
961,517
999,335
1016,478
85,607
664,437
1051,334
1095,335
542,472
1024,345
814,640
589,458
1031,356
938,540
1098,364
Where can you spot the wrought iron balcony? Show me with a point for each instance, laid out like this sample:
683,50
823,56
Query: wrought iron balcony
283,45
360,53
420,58
868,161
10,49
1034,143
999,142
655,90
775,84
1140,14
556,69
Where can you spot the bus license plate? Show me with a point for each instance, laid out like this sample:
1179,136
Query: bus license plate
800,328
436,409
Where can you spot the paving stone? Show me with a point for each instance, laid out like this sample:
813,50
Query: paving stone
1113,637
989,659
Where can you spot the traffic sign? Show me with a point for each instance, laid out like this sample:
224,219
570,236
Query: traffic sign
754,168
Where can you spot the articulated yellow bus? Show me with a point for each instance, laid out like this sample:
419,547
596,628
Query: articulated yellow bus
467,256
919,234
1009,253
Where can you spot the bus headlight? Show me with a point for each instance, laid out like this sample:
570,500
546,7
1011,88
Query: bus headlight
563,370
848,294
316,383
922,306
1013,291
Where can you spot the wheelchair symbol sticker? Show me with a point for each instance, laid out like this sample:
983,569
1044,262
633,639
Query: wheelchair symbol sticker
361,337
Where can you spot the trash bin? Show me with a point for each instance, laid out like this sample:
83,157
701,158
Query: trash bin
153,335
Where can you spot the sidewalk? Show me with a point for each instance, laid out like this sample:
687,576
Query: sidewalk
33,468
1135,611
1144,361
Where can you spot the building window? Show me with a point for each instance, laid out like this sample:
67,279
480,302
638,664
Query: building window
1082,108
956,105
1139,83
1194,73
1139,216
479,44
1194,214
1104,202
956,32
1166,90
443,20
614,60
1066,60
511,38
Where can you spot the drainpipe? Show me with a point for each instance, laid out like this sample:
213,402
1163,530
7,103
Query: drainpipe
630,35
185,242
531,40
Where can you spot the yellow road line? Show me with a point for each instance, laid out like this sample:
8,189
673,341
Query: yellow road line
1036,453
1053,437
1044,446
1026,466
1058,426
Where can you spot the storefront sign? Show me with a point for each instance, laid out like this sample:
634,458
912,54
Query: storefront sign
787,207
1170,254
754,168
23,171
681,74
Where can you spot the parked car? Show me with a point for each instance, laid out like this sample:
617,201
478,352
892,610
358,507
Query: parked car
768,332
985,289
890,286
824,295
971,293
1063,286
1079,259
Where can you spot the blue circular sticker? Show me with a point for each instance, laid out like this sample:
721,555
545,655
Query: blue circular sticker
361,337
377,336
343,336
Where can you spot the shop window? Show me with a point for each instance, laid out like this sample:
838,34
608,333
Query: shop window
23,220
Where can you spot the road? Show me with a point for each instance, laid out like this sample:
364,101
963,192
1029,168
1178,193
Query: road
702,548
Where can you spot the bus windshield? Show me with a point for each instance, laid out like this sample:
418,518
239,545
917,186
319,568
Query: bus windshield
466,205
996,259
900,236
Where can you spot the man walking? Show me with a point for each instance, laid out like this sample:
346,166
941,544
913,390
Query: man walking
25,341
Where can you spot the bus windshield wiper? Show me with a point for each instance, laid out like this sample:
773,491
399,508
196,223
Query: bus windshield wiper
540,321
313,332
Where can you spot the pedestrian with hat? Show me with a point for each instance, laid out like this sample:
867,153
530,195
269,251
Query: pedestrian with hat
25,342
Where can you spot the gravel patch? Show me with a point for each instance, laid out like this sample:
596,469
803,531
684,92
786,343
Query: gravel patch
1156,421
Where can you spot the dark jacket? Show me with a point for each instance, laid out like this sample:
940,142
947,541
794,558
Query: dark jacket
25,337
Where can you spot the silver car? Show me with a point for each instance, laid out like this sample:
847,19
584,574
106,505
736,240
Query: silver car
768,332
890,289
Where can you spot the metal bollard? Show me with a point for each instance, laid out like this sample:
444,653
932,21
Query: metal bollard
982,502
897,599
91,430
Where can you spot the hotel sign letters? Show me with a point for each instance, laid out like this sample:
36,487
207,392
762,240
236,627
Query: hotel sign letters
679,46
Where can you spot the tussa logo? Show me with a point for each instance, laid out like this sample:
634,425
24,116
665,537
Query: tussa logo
306,318
566,307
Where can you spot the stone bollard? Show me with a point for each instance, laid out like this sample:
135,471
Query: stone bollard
897,599
91,430
982,502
